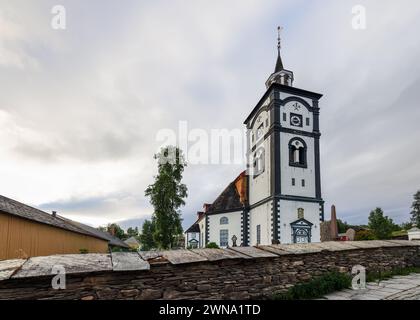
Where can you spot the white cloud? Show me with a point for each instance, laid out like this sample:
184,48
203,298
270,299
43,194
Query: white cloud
80,108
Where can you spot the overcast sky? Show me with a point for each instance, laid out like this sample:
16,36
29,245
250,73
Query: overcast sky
80,108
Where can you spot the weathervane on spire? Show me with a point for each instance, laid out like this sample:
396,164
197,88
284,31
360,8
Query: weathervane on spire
279,29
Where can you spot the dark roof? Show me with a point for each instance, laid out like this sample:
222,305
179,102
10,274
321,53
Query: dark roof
24,211
228,200
132,240
113,241
18,209
194,228
279,64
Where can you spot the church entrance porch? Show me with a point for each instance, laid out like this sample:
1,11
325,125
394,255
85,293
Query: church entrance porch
301,231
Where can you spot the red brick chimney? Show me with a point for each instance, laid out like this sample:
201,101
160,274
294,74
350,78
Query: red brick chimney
206,207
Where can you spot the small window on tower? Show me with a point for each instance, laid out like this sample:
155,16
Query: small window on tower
284,116
293,181
303,182
308,121
297,153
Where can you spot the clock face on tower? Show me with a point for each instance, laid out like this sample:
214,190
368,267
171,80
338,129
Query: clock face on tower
295,120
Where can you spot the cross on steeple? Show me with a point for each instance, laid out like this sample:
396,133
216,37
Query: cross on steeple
279,29
279,63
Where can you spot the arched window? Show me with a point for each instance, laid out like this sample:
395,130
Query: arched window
224,220
297,153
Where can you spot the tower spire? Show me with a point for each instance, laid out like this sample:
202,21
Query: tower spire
280,75
279,63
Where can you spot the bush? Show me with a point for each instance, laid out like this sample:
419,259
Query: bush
363,235
317,287
83,251
212,245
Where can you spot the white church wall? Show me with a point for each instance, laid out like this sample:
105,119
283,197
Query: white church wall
233,227
260,215
289,214
284,95
261,183
288,172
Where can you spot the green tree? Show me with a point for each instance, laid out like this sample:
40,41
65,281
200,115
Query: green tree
381,225
116,231
406,225
415,210
133,232
167,195
342,226
363,235
146,237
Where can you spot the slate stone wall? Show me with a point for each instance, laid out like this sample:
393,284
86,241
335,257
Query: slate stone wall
222,274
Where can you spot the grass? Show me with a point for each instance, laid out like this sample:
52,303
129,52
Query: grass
335,281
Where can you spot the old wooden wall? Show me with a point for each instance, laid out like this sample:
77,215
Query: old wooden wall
21,238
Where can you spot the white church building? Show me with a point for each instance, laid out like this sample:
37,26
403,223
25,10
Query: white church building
278,198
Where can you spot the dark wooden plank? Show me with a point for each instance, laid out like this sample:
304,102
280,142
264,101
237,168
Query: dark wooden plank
127,261
253,252
72,263
219,254
9,267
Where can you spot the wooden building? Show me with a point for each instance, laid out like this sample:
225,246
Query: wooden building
27,232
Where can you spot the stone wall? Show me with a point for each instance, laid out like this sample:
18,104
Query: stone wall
235,273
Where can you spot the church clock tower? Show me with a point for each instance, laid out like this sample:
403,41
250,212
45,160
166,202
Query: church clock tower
285,202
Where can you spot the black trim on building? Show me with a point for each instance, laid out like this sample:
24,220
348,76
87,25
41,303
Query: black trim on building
285,89
303,199
275,160
207,230
317,155
224,211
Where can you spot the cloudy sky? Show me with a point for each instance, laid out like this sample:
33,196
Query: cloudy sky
80,108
